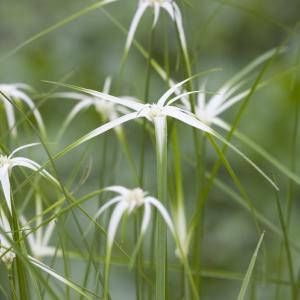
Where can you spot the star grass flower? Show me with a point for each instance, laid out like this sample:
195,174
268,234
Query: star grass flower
15,92
39,238
7,163
7,255
209,110
169,6
156,113
127,201
107,110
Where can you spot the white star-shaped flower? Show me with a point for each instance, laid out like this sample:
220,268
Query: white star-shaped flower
169,6
127,201
223,99
7,163
108,110
209,110
16,92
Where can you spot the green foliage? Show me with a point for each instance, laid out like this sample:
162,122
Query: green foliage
187,111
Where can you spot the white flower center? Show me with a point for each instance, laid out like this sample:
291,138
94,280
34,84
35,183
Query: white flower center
154,111
4,161
135,198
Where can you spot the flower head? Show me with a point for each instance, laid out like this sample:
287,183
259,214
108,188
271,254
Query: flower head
209,110
7,163
17,92
127,201
155,112
134,198
108,110
169,6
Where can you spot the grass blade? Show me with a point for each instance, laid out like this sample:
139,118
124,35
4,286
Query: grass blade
60,278
248,274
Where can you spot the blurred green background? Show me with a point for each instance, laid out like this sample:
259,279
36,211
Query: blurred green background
220,34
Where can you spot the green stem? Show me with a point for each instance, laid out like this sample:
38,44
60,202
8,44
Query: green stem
291,185
161,230
279,271
187,270
200,161
106,295
139,261
287,249
20,269
12,284
197,244
180,217
291,192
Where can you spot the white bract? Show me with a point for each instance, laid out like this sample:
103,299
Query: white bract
7,255
17,92
169,6
209,111
156,113
225,97
127,201
38,239
7,163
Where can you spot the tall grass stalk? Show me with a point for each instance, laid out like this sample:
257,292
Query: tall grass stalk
162,194
22,282
291,183
287,248
190,287
178,204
